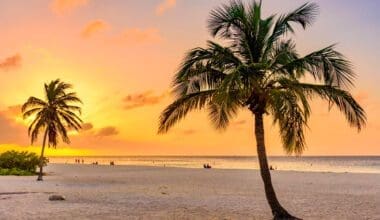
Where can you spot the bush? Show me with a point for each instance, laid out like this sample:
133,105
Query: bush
14,162
15,172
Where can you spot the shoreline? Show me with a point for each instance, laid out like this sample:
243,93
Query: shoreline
144,192
215,168
213,156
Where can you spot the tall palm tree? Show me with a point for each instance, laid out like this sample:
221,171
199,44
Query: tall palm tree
259,69
53,115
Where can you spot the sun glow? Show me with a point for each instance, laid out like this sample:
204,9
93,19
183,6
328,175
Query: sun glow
123,67
59,151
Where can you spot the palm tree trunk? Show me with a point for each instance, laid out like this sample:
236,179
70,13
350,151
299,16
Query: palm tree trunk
39,178
277,210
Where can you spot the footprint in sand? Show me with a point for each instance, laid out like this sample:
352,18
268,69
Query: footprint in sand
163,190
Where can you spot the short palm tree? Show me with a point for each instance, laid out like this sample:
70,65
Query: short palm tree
54,116
259,69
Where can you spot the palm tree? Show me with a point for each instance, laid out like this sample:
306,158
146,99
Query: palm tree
54,116
261,71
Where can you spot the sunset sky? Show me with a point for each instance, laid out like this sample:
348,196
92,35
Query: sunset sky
120,55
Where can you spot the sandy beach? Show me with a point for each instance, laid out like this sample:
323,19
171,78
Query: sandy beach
129,192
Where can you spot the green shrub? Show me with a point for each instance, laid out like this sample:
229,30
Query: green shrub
16,162
15,172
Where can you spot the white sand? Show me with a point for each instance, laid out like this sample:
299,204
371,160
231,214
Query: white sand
125,192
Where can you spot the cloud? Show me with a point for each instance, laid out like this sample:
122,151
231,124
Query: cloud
139,36
10,62
107,131
189,132
87,126
10,131
164,6
65,6
93,27
142,99
12,111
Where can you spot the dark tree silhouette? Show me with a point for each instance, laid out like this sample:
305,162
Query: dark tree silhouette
54,116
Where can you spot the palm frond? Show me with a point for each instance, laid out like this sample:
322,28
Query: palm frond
223,107
304,16
52,135
292,119
179,108
36,129
31,103
62,130
71,121
29,112
326,65
67,98
204,68
214,55
342,99
72,108
228,19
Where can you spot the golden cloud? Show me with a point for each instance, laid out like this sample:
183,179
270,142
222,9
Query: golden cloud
65,6
10,131
189,132
164,6
93,27
10,62
107,131
87,126
140,36
12,111
142,99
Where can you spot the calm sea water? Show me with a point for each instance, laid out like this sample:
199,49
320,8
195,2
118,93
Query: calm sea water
352,164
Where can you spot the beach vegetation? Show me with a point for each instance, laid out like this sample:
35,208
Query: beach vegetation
19,163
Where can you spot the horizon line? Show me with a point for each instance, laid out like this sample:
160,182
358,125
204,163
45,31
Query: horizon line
337,155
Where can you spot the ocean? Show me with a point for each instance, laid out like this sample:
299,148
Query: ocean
339,164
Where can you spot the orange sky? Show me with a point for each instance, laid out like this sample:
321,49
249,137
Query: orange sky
121,55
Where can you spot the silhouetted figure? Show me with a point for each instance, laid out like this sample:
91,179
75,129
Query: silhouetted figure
112,163
206,166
